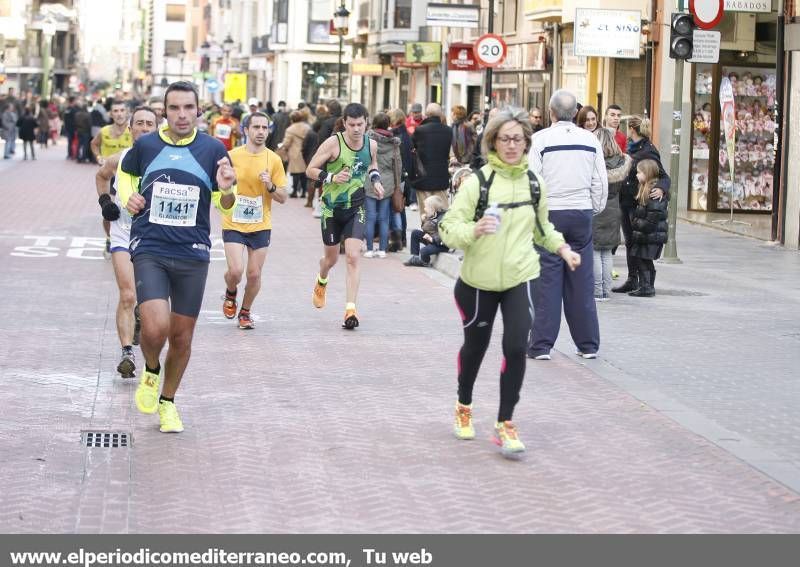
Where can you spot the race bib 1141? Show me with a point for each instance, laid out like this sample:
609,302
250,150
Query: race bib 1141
174,205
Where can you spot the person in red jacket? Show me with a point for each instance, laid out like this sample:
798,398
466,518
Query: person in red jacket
414,118
612,118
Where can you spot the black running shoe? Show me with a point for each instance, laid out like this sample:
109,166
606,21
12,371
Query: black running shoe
350,320
127,364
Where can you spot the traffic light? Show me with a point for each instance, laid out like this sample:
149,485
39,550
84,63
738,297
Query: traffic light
681,39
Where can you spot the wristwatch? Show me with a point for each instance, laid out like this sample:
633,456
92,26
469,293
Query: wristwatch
272,189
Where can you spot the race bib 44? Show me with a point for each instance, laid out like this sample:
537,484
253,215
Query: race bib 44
249,210
174,205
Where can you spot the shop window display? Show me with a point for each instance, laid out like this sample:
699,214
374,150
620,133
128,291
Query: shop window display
710,183
754,92
701,137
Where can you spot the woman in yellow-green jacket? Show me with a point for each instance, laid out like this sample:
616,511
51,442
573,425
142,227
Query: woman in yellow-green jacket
496,229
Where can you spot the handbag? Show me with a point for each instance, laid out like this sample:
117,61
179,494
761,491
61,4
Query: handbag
398,198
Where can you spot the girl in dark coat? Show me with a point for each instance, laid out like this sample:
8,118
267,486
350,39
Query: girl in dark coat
27,126
648,227
639,148
605,225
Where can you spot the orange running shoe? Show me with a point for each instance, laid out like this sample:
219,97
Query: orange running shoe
350,320
318,296
245,322
229,305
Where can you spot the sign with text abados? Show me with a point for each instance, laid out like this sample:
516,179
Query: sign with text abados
461,57
748,5
608,33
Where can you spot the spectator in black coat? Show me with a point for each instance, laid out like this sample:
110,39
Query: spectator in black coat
649,228
397,236
280,121
328,126
69,125
639,148
27,126
478,159
432,141
83,127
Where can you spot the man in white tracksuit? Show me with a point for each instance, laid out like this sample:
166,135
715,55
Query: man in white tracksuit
571,162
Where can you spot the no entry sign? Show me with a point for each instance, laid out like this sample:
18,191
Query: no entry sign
707,13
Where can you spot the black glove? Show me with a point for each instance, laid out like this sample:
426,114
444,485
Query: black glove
110,208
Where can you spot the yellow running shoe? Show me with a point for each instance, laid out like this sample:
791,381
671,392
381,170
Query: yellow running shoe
147,392
318,296
168,415
506,436
463,425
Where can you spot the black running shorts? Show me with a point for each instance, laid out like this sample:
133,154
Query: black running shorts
182,282
253,240
338,224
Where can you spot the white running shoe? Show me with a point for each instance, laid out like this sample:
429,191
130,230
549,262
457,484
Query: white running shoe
380,254
369,254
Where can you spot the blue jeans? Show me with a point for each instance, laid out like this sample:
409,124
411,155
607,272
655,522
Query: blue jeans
377,211
603,263
422,249
11,143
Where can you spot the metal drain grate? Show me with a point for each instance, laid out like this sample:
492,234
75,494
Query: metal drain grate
105,439
681,293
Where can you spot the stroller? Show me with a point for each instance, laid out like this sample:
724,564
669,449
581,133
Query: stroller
458,173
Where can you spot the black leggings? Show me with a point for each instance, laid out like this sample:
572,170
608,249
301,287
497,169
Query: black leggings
627,233
298,184
478,309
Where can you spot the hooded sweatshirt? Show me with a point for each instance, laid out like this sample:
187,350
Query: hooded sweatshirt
390,163
500,261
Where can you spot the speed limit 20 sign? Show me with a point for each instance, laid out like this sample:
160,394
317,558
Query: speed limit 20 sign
490,50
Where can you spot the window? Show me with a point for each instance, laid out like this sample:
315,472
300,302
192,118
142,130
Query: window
402,14
319,10
172,48
176,12
320,14
508,16
280,26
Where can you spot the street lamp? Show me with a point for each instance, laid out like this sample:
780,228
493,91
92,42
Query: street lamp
227,45
48,31
341,18
181,55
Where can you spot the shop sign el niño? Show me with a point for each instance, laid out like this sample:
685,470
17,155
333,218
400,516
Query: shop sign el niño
608,33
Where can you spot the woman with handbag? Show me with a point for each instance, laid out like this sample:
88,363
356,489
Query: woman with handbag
389,165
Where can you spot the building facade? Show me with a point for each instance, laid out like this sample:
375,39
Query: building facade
39,41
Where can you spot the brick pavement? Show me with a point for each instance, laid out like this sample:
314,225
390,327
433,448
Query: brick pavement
301,427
